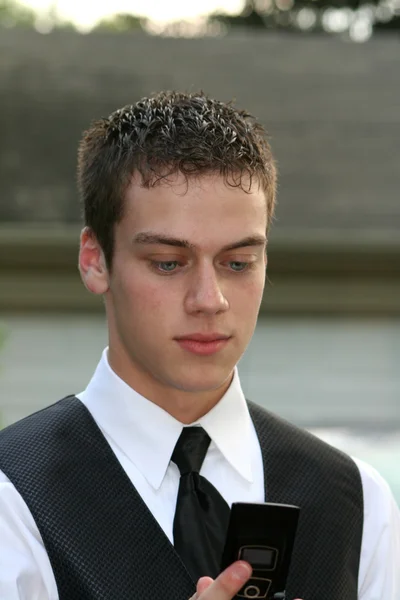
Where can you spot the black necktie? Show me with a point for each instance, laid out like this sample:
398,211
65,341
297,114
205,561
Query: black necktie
202,515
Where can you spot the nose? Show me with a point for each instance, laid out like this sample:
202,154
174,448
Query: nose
205,294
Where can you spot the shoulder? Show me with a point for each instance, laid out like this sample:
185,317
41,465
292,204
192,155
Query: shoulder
57,414
379,575
379,503
25,444
306,461
292,438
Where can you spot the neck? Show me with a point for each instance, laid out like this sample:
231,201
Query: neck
188,408
185,406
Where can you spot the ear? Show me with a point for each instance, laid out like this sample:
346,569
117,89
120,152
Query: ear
92,264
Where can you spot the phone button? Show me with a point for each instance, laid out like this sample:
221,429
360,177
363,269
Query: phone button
252,591
256,587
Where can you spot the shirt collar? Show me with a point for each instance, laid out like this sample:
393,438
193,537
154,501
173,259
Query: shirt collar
229,426
147,434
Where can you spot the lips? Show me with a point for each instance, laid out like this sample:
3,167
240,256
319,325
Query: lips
204,337
203,344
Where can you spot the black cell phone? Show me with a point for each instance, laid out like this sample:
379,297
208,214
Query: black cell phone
262,535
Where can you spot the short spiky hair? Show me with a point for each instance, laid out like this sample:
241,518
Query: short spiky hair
167,133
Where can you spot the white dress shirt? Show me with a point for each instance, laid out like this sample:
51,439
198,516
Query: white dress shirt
143,437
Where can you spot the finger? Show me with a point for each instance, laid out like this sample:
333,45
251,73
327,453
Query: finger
227,585
203,584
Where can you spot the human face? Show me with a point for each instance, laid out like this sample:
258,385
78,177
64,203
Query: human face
189,261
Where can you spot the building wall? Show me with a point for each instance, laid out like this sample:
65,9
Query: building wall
331,109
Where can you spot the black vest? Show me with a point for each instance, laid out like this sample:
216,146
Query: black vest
104,544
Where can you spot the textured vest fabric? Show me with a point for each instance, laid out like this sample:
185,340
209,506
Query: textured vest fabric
104,544
302,470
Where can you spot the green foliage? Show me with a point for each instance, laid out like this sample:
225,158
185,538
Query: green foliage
14,14
121,22
358,18
315,16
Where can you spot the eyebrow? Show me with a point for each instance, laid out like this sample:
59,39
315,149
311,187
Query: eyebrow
156,238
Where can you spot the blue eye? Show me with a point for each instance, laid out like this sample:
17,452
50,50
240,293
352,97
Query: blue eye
238,266
167,266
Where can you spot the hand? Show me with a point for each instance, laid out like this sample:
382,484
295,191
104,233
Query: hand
226,586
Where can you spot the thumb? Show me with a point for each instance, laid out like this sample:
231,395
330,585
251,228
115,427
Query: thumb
202,584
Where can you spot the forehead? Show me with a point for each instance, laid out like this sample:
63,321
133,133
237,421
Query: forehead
204,210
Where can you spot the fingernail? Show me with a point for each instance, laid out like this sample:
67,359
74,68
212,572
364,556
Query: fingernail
241,571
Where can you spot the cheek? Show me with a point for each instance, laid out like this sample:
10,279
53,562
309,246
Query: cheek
251,291
147,297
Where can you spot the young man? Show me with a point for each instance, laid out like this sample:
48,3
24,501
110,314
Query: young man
123,491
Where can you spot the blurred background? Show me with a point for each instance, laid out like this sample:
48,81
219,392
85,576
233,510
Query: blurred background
324,78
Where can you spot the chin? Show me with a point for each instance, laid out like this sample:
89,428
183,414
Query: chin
206,379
